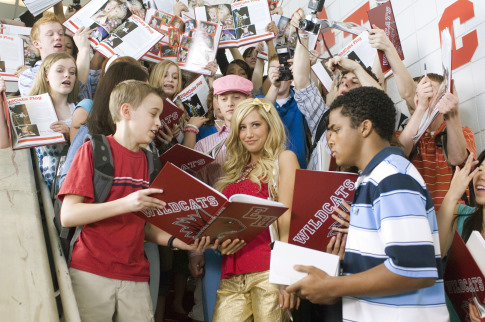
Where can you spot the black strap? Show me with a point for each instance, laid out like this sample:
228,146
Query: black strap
321,128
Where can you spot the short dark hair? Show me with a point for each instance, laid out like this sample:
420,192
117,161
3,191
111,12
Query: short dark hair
432,76
368,103
241,63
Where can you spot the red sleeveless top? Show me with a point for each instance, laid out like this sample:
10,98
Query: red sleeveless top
254,257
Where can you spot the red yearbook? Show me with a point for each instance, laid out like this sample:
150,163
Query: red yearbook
195,209
171,113
383,17
464,281
189,159
315,195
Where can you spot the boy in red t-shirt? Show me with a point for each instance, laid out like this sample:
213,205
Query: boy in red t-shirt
109,271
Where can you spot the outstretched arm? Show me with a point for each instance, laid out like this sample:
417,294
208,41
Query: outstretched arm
81,39
301,60
288,163
405,84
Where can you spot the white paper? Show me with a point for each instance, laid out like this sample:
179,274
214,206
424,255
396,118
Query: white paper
285,256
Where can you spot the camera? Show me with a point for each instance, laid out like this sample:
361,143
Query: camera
284,54
312,24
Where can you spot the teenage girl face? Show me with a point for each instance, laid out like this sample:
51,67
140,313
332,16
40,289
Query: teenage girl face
212,14
253,132
170,80
62,76
479,184
235,69
251,59
69,45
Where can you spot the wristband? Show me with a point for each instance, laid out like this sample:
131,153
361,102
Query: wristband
189,129
170,242
192,126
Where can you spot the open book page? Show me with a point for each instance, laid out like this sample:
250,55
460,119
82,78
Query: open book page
198,46
476,245
254,200
315,195
286,36
11,56
428,118
194,97
323,74
31,54
216,149
36,7
360,50
29,119
171,27
285,256
117,27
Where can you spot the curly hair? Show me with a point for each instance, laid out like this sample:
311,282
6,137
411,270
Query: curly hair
241,63
368,103
238,156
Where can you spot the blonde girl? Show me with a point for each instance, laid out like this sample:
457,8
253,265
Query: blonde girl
259,165
58,77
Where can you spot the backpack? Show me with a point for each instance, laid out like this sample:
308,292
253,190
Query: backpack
102,182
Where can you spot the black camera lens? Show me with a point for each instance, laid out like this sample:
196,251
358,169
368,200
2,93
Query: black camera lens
307,25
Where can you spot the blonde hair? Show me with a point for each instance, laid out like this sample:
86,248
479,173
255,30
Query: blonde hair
41,85
132,92
47,17
238,156
158,73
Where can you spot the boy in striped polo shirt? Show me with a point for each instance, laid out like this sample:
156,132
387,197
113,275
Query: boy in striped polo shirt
392,266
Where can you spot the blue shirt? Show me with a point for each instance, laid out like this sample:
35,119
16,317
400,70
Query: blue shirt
393,222
295,126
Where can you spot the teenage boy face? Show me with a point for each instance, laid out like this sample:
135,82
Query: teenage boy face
227,102
343,140
50,40
145,120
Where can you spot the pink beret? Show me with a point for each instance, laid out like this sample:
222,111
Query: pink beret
232,83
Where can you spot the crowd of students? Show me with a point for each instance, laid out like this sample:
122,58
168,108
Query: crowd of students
409,199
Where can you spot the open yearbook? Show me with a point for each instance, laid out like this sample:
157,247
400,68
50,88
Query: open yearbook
315,195
31,54
11,56
285,256
194,97
465,274
446,85
190,43
188,159
243,22
118,27
28,121
195,209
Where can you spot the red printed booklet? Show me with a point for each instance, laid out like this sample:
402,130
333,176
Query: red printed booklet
194,209
171,113
383,17
189,159
315,195
29,119
464,279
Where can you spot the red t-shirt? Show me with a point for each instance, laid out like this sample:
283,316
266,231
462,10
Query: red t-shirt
111,247
255,256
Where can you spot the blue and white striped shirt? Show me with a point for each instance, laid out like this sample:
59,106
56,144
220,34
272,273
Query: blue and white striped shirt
393,222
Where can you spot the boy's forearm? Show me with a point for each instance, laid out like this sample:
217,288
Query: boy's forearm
75,212
161,237
301,65
377,281
455,142
365,79
405,83
411,129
